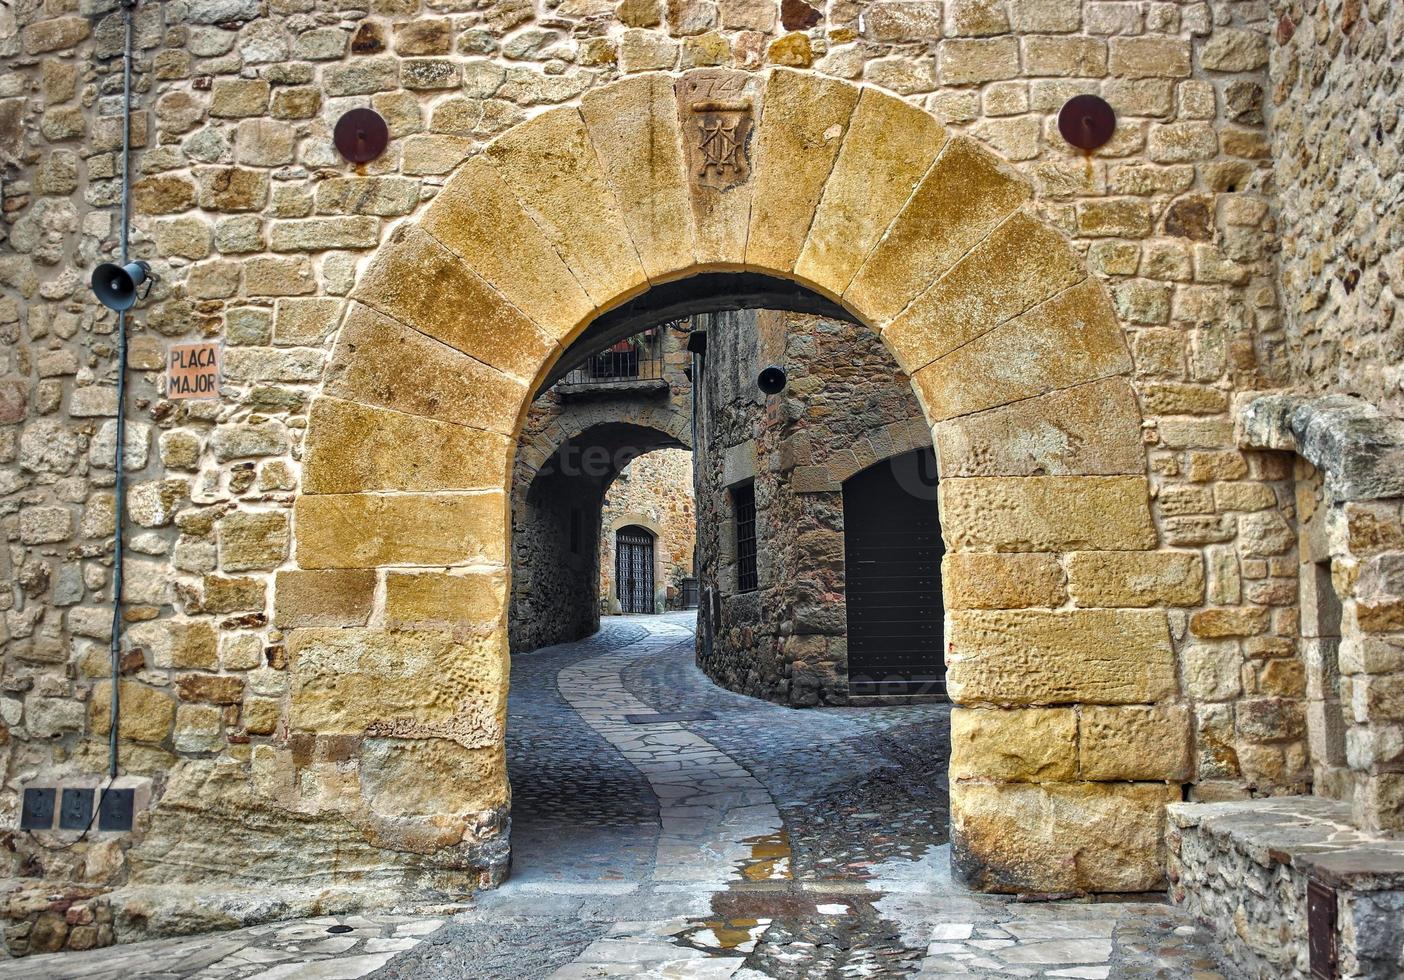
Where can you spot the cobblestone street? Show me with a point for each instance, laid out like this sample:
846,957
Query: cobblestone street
755,841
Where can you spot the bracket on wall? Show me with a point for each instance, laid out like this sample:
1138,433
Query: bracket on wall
1087,121
361,135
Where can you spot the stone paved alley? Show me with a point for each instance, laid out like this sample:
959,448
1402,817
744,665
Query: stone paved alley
759,842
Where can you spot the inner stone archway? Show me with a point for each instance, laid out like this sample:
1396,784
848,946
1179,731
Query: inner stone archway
1014,352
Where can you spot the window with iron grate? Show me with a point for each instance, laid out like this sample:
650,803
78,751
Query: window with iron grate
743,500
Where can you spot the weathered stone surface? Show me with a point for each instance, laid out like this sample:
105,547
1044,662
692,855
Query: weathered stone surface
419,282
147,714
1136,578
935,229
553,168
403,684
381,362
1022,263
1136,743
364,530
1092,429
720,189
433,777
1026,745
252,540
1052,513
1070,339
324,597
1021,837
805,120
352,448
889,147
473,215
975,580
414,601
634,127
1093,656
1360,449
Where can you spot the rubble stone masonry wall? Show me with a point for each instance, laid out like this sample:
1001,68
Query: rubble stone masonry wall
243,703
654,492
1335,114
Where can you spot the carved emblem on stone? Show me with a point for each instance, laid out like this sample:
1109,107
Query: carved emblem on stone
717,123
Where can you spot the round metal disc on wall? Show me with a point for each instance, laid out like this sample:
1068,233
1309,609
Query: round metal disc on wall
361,135
1087,121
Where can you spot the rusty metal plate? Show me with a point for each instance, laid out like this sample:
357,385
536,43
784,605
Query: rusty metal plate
1087,121
361,135
1321,930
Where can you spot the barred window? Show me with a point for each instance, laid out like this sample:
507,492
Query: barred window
743,499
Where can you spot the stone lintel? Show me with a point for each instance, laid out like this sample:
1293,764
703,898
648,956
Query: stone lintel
1357,447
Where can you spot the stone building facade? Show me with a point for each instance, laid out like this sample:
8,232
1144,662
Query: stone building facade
314,649
847,405
655,493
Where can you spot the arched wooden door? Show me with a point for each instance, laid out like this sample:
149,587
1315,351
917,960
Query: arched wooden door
892,573
633,569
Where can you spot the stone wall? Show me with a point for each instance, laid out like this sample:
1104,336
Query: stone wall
655,491
259,232
847,405
1334,112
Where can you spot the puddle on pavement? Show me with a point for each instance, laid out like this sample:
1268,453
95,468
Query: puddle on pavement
769,859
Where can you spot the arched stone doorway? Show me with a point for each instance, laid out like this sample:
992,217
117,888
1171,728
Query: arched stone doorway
635,550
864,200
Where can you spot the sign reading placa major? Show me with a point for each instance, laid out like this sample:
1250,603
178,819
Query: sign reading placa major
193,371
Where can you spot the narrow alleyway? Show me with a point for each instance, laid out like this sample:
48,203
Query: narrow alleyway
663,827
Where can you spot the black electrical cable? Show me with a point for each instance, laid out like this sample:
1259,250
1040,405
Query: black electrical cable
119,489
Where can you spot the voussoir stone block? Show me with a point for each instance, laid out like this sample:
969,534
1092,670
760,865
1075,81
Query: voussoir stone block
959,201
1021,745
476,217
806,117
380,361
1022,263
347,530
323,597
352,448
1090,656
634,126
986,580
1067,340
551,166
1139,742
1092,429
1047,513
720,186
1136,578
889,148
438,599
419,282
407,684
1068,837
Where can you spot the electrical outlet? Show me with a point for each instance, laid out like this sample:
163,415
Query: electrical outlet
115,809
76,808
38,811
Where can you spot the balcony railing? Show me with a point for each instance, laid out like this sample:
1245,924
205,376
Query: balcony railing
636,359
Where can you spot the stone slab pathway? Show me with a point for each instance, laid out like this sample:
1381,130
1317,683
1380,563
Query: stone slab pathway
760,842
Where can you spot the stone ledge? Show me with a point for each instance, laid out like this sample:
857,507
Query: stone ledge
1358,447
1311,834
1243,868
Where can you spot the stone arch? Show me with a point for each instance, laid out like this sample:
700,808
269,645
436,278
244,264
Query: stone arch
1014,351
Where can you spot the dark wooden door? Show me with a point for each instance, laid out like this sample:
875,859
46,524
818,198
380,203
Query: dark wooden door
892,569
633,569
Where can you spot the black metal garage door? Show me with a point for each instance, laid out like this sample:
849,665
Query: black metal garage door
892,562
633,569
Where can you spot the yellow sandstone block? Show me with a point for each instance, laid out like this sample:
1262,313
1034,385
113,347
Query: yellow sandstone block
348,530
1090,656
1047,513
1136,578
889,148
983,580
1025,745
